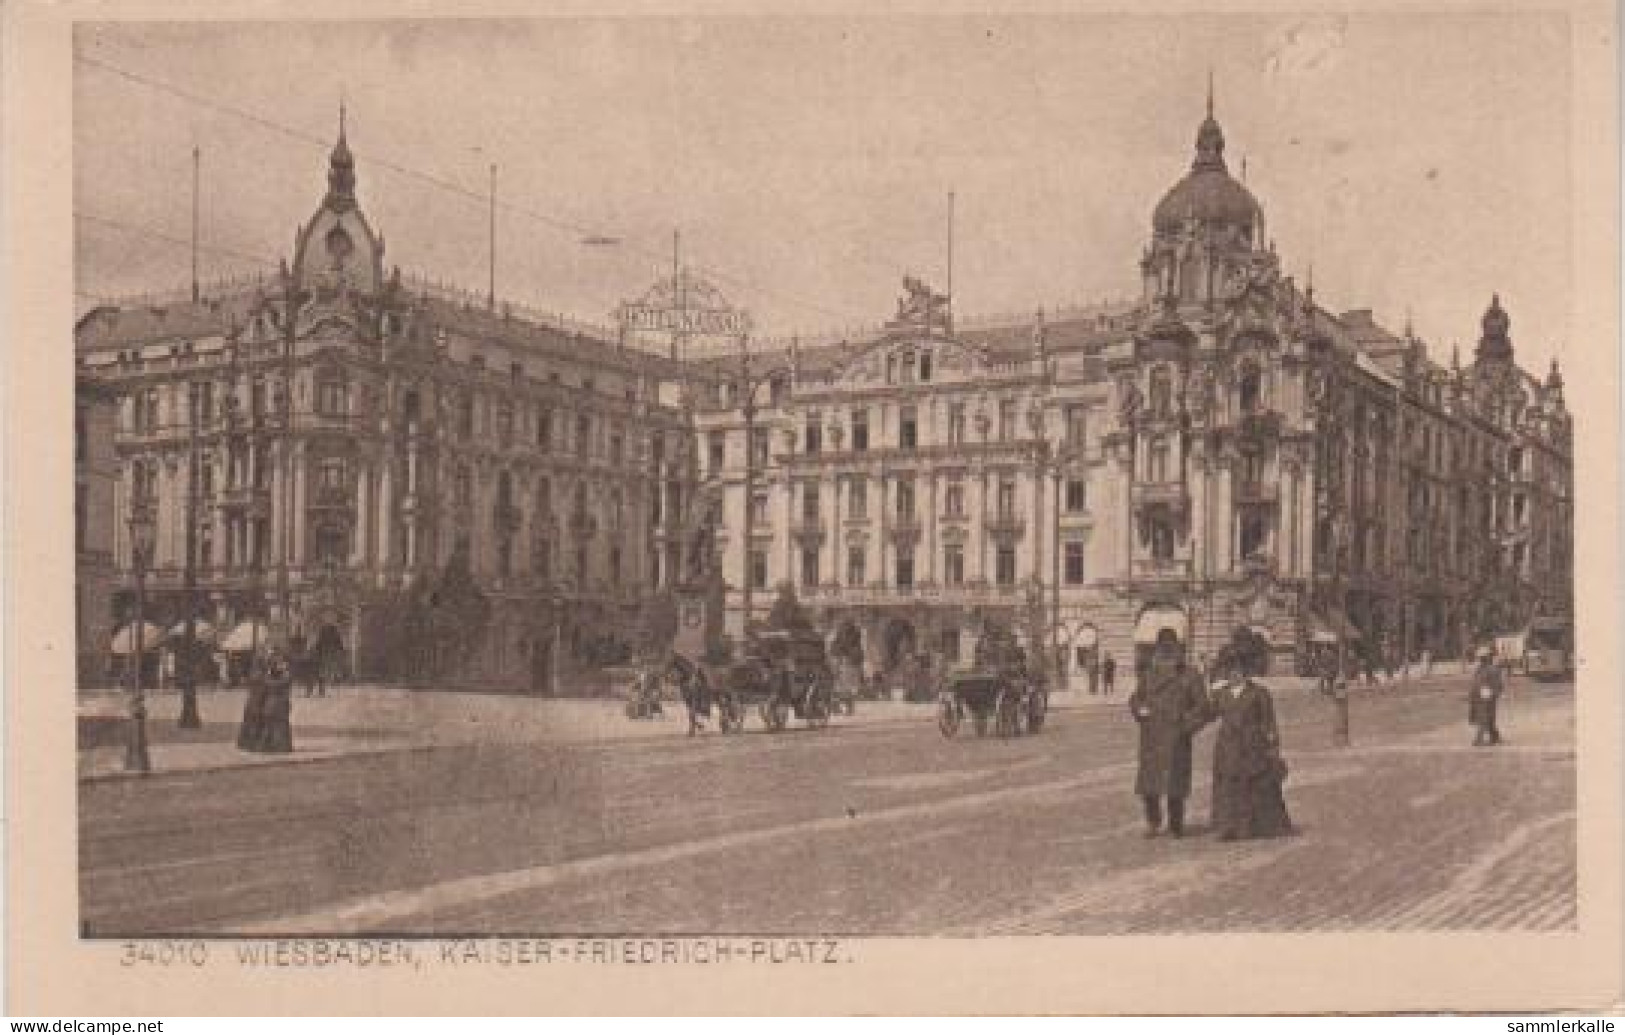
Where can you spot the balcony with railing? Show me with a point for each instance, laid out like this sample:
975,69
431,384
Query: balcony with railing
1257,492
1006,524
1172,494
808,531
1163,569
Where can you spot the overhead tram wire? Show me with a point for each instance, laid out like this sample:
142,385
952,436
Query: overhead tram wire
579,231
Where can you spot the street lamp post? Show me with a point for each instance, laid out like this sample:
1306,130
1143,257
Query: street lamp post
190,719
142,535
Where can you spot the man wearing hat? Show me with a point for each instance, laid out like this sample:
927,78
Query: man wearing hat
1170,706
1484,698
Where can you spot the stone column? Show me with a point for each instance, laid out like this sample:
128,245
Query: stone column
358,538
300,482
386,506
931,539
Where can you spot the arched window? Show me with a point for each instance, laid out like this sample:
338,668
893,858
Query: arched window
1251,387
1162,392
1157,459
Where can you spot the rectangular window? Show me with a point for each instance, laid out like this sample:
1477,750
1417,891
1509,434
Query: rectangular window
810,504
758,569
905,569
857,498
907,428
1007,419
809,567
905,501
332,474
715,451
758,509
1074,564
583,434
956,424
544,429
1077,498
758,447
615,565
1007,499
1075,426
856,566
330,397
860,430
617,448
953,565
955,500
814,436
1004,566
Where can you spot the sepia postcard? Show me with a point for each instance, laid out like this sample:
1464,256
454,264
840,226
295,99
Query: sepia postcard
842,509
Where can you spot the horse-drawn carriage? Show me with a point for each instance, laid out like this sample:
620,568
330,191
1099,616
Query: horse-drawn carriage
1011,704
782,673
997,690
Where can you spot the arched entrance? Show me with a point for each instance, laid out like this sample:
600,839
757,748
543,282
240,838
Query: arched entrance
1159,623
328,651
847,645
901,643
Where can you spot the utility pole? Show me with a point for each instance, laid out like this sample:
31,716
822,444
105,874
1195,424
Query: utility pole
749,389
491,294
189,718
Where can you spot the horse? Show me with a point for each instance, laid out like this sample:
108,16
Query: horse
694,688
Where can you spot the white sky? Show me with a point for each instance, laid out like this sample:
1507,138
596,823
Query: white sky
1418,162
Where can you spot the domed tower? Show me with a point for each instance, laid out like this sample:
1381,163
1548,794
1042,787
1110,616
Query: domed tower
1495,343
1204,229
337,250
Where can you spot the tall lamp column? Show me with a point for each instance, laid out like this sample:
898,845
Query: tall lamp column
142,535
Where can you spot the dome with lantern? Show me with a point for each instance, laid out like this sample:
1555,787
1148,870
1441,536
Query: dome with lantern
1208,195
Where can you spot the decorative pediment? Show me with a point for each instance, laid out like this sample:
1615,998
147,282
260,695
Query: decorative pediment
912,360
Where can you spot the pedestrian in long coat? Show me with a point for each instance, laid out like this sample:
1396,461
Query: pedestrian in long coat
1248,770
1170,706
1484,701
251,733
277,737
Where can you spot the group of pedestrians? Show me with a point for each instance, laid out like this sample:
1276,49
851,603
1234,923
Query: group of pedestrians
1172,704
267,726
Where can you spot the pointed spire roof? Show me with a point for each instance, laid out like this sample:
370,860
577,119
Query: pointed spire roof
1495,344
341,171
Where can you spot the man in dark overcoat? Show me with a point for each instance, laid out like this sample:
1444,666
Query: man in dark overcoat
1170,705
1484,700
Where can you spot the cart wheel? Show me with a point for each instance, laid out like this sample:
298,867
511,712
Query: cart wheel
1037,711
948,718
776,714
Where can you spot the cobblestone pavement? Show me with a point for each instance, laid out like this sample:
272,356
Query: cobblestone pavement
883,828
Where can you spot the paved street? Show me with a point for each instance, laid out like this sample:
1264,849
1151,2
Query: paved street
877,826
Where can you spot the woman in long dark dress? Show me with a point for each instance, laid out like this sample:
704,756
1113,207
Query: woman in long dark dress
1248,770
278,714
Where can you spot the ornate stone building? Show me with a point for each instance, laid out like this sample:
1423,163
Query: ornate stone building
95,472
431,486
456,489
1223,452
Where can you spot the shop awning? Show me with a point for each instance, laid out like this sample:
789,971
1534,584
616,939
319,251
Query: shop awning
1329,627
201,629
1154,620
245,637
152,638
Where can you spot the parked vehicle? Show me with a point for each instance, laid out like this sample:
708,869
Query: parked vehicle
1009,703
782,673
1548,648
